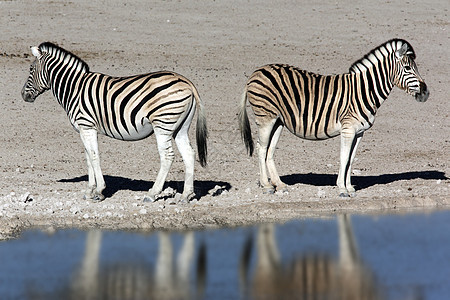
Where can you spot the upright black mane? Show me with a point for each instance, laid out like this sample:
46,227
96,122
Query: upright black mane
62,53
395,44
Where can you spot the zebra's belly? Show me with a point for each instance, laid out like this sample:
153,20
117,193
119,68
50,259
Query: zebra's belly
311,134
141,131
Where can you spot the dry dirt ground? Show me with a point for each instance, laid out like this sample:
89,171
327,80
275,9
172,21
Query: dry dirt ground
402,162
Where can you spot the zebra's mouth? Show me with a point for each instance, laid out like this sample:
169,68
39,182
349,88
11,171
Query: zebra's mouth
422,96
28,97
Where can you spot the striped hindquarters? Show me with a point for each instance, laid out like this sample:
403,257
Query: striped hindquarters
130,108
309,105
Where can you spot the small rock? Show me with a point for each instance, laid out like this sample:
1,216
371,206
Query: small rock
168,192
143,211
356,172
85,216
321,193
25,198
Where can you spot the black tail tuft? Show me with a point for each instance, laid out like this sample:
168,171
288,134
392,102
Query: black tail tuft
201,135
244,125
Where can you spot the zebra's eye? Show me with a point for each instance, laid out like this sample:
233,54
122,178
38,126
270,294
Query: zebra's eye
407,68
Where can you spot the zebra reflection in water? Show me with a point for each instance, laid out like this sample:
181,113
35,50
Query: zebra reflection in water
314,276
124,280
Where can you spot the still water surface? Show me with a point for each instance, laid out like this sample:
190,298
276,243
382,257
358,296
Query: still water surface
345,257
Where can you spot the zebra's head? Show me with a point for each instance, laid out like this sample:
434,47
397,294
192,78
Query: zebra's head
406,74
37,81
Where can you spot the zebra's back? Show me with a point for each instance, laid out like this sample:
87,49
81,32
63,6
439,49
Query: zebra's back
129,108
308,104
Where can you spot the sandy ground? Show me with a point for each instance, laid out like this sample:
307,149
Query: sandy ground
402,162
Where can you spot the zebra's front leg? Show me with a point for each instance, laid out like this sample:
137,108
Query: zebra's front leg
349,144
89,193
96,183
166,154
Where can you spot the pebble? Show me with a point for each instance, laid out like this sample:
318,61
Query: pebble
321,193
143,211
356,172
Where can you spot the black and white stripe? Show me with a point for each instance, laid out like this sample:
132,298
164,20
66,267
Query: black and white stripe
316,107
125,108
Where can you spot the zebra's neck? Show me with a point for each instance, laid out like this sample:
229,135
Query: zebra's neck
372,79
66,76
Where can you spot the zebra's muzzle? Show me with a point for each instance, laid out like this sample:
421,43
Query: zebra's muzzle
422,96
28,97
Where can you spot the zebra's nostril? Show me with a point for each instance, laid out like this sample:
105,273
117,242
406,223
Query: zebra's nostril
423,94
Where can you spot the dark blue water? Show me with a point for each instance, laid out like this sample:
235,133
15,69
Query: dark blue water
383,257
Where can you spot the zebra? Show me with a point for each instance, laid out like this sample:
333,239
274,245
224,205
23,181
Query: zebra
318,107
125,108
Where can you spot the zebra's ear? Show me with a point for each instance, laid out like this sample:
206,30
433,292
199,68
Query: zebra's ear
36,52
402,51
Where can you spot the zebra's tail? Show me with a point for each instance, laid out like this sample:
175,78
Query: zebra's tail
244,125
201,133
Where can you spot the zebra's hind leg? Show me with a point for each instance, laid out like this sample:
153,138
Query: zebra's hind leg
96,183
273,174
349,144
166,154
264,136
188,155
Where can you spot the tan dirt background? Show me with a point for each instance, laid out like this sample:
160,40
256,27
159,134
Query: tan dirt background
402,162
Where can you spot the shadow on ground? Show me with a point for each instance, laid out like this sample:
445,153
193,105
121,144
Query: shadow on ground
361,182
118,183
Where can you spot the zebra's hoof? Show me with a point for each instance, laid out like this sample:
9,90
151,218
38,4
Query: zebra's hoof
282,189
94,198
269,191
149,199
98,198
344,195
185,199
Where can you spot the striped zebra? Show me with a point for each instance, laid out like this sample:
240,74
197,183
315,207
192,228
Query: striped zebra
125,108
317,107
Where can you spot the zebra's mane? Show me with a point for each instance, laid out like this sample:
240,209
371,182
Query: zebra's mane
63,54
388,47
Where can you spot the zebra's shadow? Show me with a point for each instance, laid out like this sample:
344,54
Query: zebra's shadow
118,183
362,182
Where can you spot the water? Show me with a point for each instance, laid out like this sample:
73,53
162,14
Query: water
346,257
